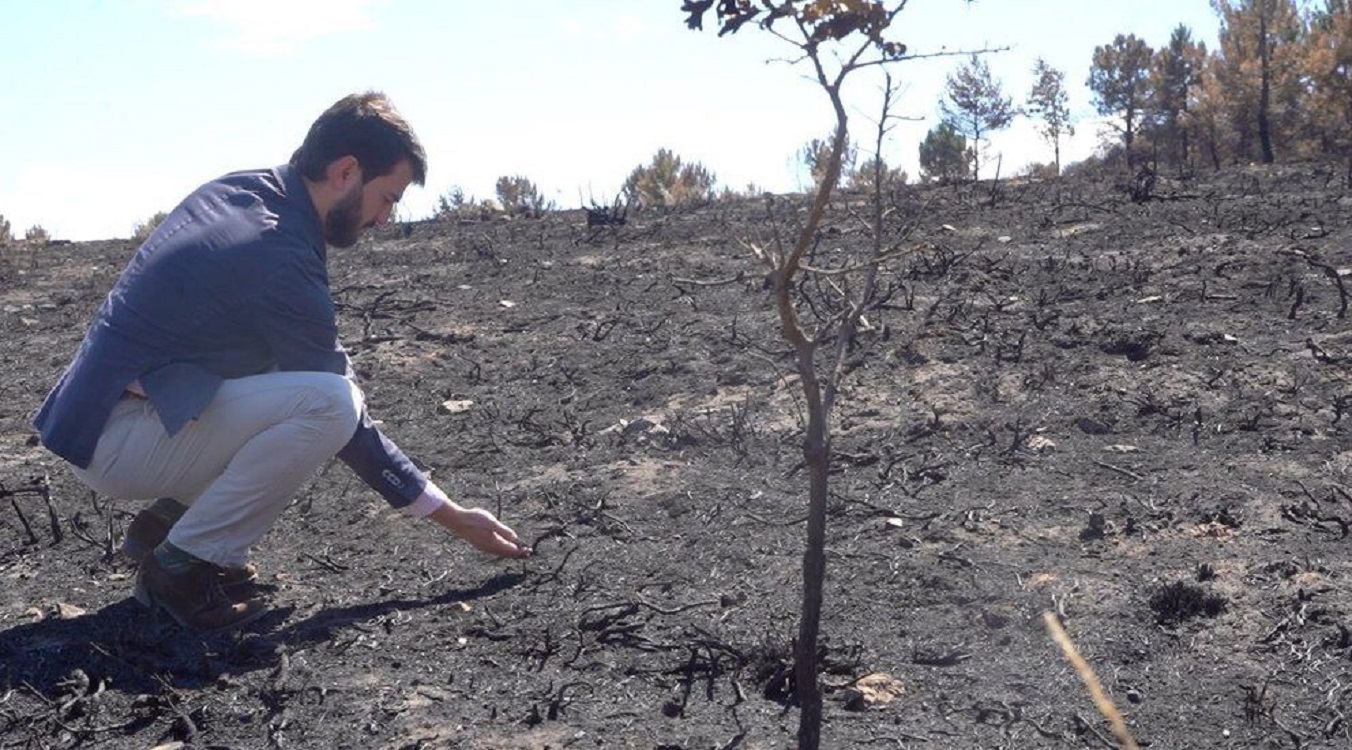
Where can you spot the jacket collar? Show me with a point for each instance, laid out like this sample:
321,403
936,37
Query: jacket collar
299,196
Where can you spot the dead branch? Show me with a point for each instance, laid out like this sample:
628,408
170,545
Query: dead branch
677,280
1332,273
1120,470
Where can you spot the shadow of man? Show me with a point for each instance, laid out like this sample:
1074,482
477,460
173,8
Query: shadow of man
124,648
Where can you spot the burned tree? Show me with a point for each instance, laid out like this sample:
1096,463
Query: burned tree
852,32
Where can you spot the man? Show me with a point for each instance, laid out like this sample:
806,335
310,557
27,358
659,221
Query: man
213,375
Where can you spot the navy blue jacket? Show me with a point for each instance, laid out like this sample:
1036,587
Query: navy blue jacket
233,283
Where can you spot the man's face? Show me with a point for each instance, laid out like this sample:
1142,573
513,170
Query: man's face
366,205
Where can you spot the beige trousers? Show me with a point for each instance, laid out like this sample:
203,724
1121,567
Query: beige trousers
237,465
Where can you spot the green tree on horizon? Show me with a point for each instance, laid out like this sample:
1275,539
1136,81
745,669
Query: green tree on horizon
1262,43
1049,103
1176,74
1120,80
975,105
944,155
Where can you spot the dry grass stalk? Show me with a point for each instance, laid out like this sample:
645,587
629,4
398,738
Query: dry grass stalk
1091,681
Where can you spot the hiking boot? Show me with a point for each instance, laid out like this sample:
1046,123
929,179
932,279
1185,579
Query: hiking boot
238,584
151,527
195,597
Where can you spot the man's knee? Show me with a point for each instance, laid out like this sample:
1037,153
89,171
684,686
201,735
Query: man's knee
339,400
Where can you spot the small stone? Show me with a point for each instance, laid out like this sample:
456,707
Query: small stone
1092,426
874,689
456,406
731,600
1039,443
642,424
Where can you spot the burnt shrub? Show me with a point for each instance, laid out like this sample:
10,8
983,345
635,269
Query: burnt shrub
1180,600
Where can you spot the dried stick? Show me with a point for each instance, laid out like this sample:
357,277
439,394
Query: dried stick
1091,681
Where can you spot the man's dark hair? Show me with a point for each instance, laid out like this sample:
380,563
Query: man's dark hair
366,126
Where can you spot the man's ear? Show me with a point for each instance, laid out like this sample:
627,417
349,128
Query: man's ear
343,171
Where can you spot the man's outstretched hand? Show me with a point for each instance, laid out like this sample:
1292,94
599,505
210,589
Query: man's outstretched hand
481,529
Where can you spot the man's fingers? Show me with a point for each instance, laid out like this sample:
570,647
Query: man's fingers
494,537
503,545
511,548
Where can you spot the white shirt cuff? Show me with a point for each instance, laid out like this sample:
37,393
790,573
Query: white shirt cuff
429,502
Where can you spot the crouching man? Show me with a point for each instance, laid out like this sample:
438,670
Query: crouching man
212,373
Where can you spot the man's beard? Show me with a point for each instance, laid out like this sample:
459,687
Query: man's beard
342,225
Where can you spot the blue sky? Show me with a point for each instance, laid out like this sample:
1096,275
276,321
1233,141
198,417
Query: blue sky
113,110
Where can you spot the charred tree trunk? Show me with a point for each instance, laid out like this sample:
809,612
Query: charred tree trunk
1264,86
1184,146
817,453
816,443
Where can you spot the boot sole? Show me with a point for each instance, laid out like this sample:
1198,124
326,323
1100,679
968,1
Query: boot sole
142,594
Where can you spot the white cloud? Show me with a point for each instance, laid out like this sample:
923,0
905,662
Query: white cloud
272,27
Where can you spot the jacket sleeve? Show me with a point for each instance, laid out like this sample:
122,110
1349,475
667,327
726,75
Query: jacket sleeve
295,316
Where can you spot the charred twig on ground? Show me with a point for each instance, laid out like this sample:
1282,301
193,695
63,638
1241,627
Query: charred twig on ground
42,487
327,562
678,281
1297,302
1309,514
1119,470
553,575
943,657
449,339
769,522
171,697
635,603
1332,273
78,527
